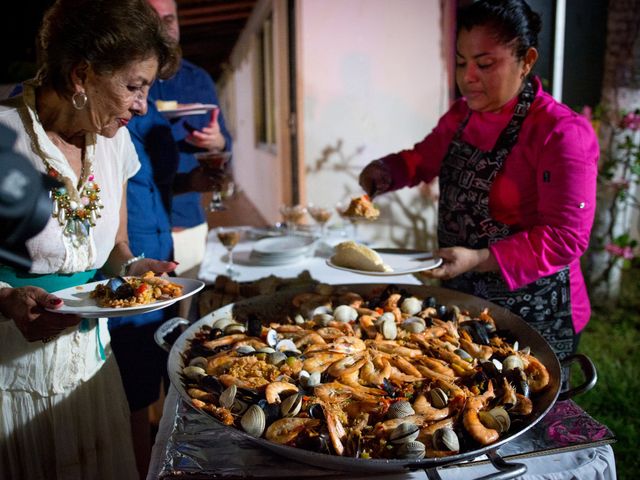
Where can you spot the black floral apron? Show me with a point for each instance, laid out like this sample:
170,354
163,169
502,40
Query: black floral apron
466,176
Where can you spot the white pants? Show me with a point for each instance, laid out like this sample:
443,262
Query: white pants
189,247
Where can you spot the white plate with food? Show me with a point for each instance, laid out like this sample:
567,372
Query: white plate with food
383,262
79,301
183,109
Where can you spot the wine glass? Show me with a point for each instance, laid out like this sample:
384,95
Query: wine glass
215,161
292,215
341,208
229,237
321,215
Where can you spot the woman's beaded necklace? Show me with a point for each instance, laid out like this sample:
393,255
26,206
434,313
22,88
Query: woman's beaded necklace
77,217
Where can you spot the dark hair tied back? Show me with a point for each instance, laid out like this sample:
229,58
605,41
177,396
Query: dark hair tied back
510,21
105,34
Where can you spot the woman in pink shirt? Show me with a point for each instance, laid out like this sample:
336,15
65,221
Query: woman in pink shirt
517,173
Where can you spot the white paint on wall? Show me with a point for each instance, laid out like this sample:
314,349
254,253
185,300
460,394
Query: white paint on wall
257,170
373,83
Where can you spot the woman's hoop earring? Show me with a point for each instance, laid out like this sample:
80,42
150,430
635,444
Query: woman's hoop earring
79,100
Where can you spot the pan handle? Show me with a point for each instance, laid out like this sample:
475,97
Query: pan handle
588,370
165,329
507,471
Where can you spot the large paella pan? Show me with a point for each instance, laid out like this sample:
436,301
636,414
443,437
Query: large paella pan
370,377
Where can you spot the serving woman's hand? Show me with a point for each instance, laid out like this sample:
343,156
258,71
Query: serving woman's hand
459,260
375,178
26,307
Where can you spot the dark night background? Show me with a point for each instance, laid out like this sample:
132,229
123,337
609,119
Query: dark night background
584,45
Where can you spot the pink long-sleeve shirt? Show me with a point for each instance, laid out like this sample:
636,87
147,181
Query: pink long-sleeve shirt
546,188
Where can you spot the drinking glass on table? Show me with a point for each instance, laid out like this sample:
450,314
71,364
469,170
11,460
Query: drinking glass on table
215,161
341,208
292,215
229,237
321,215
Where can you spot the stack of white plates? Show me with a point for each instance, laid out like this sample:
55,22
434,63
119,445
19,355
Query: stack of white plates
281,250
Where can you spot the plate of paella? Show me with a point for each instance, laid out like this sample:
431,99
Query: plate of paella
124,296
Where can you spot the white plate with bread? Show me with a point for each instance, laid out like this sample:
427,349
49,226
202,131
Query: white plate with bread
384,262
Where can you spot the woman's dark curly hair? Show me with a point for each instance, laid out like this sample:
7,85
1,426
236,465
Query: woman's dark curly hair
509,20
105,34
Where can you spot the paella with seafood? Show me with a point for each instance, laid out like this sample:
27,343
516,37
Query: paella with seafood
387,376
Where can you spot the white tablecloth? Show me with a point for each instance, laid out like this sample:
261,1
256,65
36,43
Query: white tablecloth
596,463
214,264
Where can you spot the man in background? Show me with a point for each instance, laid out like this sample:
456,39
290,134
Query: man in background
150,193
192,133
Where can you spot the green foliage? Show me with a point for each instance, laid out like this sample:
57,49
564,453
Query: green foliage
612,341
618,195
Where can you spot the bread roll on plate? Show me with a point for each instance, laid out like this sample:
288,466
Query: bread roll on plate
165,105
354,255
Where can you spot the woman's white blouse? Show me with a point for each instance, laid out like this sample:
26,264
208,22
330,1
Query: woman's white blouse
74,356
114,160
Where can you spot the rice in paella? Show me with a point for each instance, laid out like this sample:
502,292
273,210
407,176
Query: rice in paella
120,292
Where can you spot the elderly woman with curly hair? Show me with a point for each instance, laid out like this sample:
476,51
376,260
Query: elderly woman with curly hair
62,407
